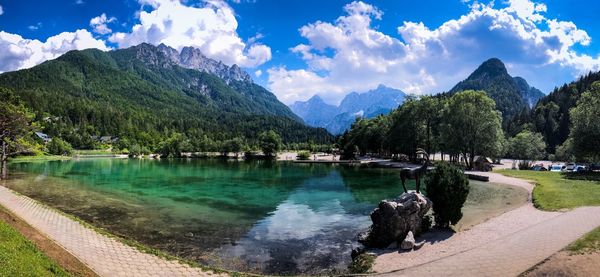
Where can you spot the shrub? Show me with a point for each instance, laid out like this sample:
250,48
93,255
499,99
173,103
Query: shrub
524,165
303,155
447,187
58,146
361,264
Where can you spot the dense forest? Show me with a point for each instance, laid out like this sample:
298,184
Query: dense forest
140,97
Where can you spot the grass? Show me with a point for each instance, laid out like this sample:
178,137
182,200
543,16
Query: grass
588,244
92,152
20,257
553,192
39,158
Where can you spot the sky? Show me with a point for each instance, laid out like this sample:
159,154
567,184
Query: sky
298,49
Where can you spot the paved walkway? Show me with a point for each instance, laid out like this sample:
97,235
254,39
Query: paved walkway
498,253
106,256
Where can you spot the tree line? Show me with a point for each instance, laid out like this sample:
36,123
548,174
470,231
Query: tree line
467,124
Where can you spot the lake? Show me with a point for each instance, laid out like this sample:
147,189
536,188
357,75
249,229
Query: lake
256,216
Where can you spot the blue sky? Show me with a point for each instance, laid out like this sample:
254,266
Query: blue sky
301,48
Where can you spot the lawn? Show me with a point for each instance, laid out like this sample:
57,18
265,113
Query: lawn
19,257
553,192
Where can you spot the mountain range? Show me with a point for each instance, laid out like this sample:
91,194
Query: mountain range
144,93
337,119
512,94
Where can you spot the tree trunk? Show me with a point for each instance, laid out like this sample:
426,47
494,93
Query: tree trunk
3,159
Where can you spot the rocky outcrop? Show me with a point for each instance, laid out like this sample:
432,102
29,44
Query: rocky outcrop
191,58
394,220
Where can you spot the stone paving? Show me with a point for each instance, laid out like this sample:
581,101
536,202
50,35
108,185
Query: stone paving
104,255
514,253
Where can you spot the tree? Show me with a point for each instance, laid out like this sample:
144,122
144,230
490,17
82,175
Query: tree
15,124
58,146
564,152
415,125
270,142
471,126
447,188
235,145
173,146
527,146
585,130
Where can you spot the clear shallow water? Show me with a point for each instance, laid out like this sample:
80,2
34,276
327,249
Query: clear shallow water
249,216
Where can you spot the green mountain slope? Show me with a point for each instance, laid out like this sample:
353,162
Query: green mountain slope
551,114
512,94
141,94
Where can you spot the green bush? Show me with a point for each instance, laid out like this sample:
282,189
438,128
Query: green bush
447,188
361,264
303,156
58,146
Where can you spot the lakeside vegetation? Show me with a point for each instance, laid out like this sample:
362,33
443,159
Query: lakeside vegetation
20,256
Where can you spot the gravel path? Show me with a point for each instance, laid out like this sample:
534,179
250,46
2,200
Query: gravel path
524,231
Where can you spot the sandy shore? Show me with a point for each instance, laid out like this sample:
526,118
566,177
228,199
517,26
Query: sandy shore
440,244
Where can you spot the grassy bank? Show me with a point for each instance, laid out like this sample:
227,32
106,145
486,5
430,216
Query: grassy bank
553,192
39,158
19,257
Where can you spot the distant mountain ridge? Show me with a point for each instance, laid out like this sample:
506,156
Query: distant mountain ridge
512,94
336,120
147,92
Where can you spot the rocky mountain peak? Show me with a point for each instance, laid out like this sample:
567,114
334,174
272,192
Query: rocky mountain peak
191,58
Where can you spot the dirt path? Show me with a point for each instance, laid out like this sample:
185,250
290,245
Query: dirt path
505,245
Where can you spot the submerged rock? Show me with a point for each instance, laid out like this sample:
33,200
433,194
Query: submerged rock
394,219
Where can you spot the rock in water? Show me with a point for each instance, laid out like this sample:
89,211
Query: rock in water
409,242
394,219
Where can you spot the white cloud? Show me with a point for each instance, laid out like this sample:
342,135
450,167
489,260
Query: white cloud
17,52
99,24
1,10
258,73
352,55
211,28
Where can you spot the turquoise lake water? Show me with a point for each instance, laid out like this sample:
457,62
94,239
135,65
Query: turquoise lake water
255,216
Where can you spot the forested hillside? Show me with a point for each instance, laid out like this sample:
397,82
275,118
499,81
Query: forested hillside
143,95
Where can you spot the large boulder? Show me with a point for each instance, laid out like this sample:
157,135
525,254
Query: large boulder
394,219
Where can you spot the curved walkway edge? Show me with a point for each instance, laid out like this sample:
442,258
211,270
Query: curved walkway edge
506,254
104,255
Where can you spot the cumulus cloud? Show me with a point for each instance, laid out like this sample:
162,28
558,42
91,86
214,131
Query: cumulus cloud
211,28
99,24
17,52
350,54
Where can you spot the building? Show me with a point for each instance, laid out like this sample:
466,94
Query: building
43,137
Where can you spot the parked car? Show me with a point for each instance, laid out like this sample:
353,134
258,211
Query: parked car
556,167
594,167
539,167
570,167
580,168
